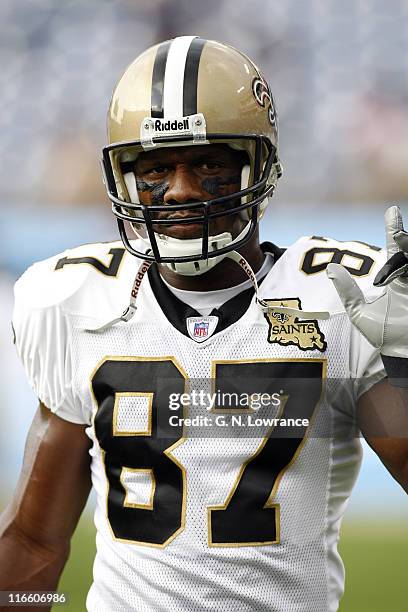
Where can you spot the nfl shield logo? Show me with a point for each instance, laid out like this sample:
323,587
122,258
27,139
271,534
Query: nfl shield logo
201,329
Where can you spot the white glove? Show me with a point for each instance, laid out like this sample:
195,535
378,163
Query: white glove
384,321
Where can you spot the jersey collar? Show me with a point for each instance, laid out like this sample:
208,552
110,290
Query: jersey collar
177,312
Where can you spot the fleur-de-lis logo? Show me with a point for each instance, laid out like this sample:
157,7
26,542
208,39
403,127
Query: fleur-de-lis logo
263,96
281,317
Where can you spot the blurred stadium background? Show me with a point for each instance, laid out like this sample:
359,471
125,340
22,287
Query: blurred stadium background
338,71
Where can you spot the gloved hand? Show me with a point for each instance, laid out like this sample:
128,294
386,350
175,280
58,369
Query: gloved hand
383,321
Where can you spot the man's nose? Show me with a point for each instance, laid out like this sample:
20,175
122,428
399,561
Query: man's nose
184,187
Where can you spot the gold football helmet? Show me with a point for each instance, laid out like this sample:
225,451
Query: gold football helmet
182,92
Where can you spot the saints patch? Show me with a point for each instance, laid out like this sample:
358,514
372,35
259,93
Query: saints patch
286,329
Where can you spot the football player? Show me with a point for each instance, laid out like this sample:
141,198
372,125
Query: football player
119,341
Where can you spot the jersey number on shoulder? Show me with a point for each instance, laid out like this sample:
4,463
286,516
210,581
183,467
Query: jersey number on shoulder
109,270
249,516
317,259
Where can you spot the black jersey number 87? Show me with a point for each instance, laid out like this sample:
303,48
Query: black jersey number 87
249,516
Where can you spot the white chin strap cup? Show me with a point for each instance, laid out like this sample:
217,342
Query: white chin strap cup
174,247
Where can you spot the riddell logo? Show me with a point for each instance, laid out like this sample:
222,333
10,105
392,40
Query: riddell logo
171,126
244,264
139,277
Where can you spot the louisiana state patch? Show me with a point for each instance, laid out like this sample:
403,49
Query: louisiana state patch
286,329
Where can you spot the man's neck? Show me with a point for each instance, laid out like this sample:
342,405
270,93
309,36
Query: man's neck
225,274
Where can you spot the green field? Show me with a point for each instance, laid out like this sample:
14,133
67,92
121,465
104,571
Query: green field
375,556
376,560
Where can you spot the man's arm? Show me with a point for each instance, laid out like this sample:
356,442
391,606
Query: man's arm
383,420
37,525
383,410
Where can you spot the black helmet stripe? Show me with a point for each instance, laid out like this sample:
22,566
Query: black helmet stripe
175,77
159,69
190,83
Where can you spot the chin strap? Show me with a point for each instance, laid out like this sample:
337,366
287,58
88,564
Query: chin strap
131,309
241,261
263,305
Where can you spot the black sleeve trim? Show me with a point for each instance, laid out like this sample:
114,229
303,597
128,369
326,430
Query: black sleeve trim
397,370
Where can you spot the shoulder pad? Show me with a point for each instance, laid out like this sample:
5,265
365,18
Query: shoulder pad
302,271
85,273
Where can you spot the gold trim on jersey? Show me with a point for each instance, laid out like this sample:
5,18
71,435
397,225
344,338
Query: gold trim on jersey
140,506
118,397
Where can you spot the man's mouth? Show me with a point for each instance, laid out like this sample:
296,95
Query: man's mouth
178,228
179,215
179,219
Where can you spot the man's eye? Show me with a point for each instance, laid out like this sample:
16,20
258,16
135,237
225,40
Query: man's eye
158,170
210,166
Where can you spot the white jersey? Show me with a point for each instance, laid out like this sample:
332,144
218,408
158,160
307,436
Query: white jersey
232,510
